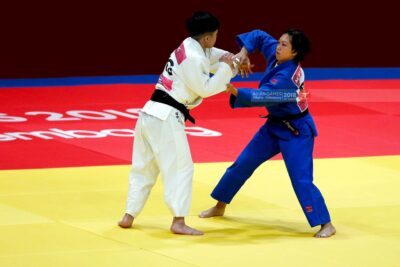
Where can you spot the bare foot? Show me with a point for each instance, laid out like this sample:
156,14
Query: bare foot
126,221
217,210
179,227
326,230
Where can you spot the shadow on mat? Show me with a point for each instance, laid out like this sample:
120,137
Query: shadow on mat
241,229
236,230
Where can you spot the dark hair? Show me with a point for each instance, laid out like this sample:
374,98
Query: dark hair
300,43
201,22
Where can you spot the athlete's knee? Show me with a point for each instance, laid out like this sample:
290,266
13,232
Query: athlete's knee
302,183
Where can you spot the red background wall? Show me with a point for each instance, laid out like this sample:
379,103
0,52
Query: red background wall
66,38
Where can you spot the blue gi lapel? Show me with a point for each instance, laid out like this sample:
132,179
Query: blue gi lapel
272,70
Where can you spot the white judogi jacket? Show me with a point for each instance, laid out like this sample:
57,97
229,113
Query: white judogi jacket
186,77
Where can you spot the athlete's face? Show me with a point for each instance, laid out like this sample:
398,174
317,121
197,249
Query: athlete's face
284,50
211,39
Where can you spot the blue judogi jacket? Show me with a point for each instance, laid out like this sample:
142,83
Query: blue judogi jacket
280,85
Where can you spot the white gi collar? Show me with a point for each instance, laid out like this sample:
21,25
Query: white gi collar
195,45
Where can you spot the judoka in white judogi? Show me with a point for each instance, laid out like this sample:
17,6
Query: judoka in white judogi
160,144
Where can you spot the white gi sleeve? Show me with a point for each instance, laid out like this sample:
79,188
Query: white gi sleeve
196,74
214,56
214,68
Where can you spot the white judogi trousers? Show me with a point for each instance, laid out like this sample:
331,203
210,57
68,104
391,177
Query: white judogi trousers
161,146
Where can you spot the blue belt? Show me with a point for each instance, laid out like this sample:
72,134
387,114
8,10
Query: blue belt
286,120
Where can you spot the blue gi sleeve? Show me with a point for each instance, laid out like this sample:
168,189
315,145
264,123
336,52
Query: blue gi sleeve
260,40
278,90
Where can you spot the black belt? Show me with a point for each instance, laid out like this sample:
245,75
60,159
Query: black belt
286,120
163,97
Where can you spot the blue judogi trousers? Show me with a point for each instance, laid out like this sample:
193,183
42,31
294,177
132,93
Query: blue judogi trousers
274,137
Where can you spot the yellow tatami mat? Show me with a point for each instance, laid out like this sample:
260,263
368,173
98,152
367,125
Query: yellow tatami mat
68,217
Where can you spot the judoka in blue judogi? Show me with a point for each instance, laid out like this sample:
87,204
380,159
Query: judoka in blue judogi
289,128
